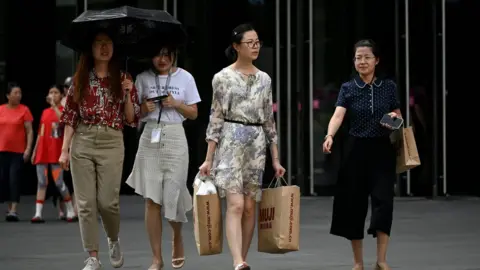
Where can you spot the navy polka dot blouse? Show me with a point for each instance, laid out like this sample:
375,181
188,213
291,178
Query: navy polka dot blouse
366,104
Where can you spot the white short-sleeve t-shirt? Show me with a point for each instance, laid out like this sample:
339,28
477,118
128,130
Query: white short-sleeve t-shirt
182,87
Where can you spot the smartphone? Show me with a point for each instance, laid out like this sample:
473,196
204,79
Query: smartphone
157,99
395,123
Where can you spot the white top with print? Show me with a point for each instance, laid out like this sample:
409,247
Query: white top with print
182,87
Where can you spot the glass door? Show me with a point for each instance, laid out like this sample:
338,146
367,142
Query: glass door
336,26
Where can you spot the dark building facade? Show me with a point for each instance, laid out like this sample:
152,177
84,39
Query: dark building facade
308,53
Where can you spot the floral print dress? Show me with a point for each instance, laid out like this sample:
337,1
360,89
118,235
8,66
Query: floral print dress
242,124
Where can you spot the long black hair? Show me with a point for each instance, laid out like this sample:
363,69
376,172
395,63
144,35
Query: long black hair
236,37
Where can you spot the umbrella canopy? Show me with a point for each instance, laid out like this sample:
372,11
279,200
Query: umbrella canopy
134,31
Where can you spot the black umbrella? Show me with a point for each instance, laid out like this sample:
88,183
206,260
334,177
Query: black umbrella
135,31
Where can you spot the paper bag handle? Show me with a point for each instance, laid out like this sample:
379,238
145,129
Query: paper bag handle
278,182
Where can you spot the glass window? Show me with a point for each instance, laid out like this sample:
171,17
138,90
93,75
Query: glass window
66,11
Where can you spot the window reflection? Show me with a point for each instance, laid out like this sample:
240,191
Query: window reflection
64,57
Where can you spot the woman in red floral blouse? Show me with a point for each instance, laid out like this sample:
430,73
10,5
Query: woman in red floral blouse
100,102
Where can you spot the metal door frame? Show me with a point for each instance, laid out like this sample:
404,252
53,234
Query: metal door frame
444,92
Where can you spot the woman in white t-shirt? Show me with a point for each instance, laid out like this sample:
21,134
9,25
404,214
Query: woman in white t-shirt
168,95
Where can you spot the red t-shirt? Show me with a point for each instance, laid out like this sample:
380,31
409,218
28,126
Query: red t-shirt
12,128
50,138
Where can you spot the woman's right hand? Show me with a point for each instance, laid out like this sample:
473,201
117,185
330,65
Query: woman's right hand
327,145
205,168
32,159
148,106
64,160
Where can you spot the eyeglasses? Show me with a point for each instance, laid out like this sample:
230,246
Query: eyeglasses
366,57
253,44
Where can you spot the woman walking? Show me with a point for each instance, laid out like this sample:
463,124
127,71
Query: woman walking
368,169
241,126
101,101
46,154
161,165
16,137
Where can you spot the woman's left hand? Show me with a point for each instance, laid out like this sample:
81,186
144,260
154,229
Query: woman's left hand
279,170
170,102
394,115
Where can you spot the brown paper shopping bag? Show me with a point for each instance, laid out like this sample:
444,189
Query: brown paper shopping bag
207,223
407,153
279,219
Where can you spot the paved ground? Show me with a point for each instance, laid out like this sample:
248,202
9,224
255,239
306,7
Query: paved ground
436,235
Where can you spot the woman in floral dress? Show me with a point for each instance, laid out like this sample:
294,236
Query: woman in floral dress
241,126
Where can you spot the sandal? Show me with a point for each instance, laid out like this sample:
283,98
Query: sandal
242,266
178,263
156,266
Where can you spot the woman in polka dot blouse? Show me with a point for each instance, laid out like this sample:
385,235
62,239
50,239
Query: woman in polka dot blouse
368,168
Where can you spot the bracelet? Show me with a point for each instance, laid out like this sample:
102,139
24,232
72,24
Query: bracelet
328,135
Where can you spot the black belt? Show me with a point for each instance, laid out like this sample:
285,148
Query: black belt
243,123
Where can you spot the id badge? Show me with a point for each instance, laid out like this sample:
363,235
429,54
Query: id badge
156,135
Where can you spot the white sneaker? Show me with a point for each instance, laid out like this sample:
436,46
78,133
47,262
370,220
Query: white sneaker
116,255
92,263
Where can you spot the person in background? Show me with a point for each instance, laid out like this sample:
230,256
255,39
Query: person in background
368,167
241,128
47,152
66,85
67,177
16,137
160,170
101,101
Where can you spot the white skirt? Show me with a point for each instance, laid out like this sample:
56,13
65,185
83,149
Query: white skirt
161,169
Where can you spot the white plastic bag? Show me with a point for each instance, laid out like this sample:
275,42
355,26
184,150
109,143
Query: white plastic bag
205,185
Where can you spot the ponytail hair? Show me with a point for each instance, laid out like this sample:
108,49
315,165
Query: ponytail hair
231,54
236,38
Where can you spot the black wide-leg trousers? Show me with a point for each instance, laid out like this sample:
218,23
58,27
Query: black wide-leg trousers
367,170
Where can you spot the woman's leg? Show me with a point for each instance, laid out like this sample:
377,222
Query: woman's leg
57,174
4,178
108,157
84,177
15,178
248,224
235,207
382,180
178,253
42,178
350,205
153,224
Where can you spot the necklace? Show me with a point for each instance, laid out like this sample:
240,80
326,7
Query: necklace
249,77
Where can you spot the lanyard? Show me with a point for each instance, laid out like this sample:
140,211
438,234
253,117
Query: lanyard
157,84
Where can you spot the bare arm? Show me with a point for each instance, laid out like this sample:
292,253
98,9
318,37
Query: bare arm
35,148
336,121
67,138
188,111
129,109
29,131
58,113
